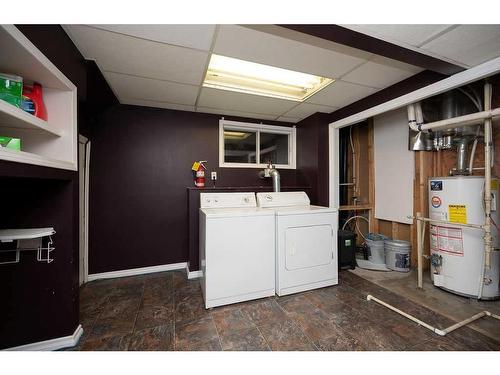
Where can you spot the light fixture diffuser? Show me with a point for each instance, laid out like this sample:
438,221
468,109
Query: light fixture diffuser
232,74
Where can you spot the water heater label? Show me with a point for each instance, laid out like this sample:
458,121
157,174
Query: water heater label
447,239
457,213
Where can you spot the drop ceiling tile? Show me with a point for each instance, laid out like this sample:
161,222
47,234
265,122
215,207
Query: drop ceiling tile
288,119
154,104
124,54
340,94
381,72
304,110
468,44
264,48
133,87
192,36
227,112
235,101
410,34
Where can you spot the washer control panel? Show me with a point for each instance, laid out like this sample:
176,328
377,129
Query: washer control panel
227,200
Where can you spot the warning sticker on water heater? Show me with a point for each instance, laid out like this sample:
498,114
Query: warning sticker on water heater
447,239
457,213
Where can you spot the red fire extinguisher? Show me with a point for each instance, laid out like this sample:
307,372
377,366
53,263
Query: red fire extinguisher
199,173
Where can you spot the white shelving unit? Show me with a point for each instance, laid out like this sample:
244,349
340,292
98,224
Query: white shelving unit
51,143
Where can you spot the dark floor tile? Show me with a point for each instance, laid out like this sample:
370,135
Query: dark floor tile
286,335
114,343
473,340
263,312
152,316
343,293
248,339
132,291
228,321
372,336
193,334
124,306
339,340
344,316
327,302
316,323
162,279
190,309
117,325
439,344
411,332
206,346
157,338
295,303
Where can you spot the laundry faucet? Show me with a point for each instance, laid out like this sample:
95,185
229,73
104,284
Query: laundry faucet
272,172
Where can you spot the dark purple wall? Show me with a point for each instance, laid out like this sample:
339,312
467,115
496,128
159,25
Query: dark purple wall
40,301
140,168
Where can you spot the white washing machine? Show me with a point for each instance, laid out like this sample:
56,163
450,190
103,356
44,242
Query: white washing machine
306,242
236,249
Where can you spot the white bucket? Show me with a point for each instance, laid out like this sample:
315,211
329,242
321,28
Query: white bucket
376,251
397,255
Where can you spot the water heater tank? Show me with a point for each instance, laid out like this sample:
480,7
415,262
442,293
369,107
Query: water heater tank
457,253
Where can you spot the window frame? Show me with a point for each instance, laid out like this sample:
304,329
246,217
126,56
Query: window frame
257,128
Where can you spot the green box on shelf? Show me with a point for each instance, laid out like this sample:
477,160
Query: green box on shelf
11,89
9,142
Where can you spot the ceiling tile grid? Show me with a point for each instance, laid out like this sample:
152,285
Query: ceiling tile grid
190,36
464,45
127,86
164,66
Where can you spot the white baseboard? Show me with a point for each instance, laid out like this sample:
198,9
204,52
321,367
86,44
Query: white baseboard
52,344
137,271
194,274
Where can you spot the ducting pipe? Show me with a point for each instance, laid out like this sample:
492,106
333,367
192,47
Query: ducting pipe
462,150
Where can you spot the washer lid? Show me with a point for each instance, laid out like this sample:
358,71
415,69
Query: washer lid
235,212
283,199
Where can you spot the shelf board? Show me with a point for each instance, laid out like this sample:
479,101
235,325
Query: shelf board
30,158
359,207
14,117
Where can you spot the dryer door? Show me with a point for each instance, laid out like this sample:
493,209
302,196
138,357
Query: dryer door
306,252
308,246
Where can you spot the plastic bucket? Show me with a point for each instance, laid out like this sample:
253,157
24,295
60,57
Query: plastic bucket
376,251
397,255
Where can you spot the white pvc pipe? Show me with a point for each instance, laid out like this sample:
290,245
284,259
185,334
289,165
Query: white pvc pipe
471,119
420,251
440,332
487,178
426,219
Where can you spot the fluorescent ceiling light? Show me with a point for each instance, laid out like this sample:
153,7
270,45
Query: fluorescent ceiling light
231,74
236,135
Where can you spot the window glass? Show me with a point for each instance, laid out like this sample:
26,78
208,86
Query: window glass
239,146
273,148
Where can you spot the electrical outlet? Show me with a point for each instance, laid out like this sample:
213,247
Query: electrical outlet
213,176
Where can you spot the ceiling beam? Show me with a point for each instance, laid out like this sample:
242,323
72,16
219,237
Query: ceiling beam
355,39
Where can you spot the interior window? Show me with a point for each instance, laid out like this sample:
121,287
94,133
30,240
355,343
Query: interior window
239,146
249,145
273,148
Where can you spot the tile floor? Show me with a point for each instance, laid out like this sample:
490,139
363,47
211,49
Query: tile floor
165,311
